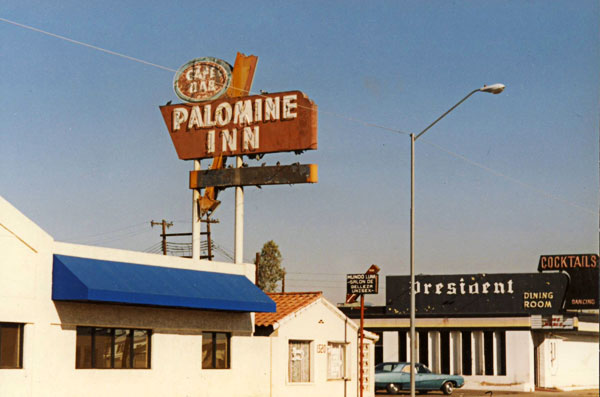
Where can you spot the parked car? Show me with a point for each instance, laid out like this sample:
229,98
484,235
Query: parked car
394,376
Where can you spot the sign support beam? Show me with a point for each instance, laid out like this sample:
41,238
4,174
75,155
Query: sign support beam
196,224
362,340
254,176
238,252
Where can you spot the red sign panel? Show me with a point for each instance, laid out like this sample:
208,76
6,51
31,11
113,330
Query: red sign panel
280,122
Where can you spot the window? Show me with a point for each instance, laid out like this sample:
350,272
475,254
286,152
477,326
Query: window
488,352
112,348
423,347
402,343
467,368
379,347
299,364
385,367
11,345
336,360
445,351
215,350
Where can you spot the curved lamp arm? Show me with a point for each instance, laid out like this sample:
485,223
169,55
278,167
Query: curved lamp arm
492,89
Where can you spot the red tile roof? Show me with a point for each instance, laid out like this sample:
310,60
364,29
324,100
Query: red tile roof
287,303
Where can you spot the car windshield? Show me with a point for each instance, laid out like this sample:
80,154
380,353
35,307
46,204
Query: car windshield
423,370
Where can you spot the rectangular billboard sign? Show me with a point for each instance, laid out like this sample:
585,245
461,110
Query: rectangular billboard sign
269,123
478,294
254,176
364,283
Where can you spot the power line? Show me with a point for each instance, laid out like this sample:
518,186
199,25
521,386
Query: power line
111,239
514,180
366,123
83,238
87,45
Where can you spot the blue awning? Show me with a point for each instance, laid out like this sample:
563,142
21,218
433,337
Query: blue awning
93,280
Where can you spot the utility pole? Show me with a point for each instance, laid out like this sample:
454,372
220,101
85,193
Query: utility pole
208,222
165,225
283,282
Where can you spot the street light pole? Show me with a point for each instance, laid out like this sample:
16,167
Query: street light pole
492,89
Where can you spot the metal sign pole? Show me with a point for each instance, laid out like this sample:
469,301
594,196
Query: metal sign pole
238,252
196,224
362,335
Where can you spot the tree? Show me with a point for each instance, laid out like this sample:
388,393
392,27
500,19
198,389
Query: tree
269,267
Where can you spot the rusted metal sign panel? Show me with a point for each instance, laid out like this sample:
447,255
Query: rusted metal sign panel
202,79
279,122
243,74
251,176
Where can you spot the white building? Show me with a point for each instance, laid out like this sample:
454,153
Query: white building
79,320
314,348
499,331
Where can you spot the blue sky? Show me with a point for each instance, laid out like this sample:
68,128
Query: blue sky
503,179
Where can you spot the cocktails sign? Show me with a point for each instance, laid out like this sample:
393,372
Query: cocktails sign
202,79
583,278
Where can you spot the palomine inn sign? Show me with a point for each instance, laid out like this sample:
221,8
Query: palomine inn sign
269,123
219,119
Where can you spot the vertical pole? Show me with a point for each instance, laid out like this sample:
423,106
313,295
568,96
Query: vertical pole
412,266
283,283
238,251
209,238
196,224
362,335
164,237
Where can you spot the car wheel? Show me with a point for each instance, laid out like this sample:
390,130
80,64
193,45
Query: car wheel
448,388
393,389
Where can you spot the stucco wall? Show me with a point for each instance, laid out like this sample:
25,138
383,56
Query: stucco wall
568,361
50,328
519,366
320,325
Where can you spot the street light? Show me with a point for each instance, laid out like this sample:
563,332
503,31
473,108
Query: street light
492,89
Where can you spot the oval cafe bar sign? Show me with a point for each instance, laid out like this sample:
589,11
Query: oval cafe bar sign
202,79
213,123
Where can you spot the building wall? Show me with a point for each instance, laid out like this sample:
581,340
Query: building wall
176,343
568,361
319,325
519,361
519,366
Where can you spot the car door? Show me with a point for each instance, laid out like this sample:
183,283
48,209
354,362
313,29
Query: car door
425,380
403,376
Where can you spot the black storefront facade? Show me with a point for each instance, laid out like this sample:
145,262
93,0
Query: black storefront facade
509,331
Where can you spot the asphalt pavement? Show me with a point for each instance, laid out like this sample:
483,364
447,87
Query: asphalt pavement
537,393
